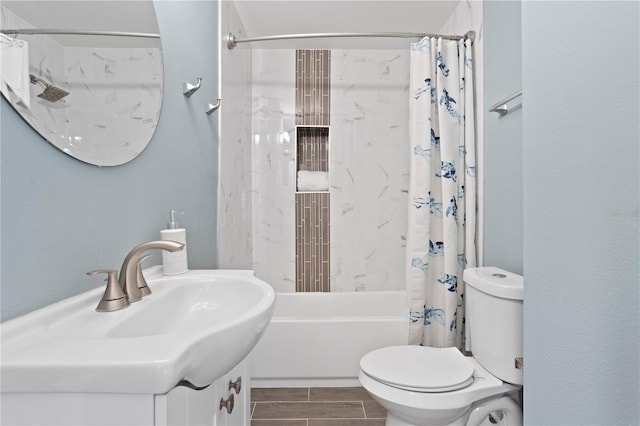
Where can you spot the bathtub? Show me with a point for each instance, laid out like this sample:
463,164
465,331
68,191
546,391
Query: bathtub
317,339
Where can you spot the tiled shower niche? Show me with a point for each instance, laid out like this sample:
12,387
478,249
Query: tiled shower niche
312,199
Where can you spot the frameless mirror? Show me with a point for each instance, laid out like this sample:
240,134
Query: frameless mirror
95,91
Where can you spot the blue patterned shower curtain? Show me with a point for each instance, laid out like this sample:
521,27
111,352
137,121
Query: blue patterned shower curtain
442,190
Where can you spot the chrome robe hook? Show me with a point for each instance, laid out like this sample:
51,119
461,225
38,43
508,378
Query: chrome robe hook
189,89
212,108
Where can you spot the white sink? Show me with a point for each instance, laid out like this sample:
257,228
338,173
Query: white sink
194,327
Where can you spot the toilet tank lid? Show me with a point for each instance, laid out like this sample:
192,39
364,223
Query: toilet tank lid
495,282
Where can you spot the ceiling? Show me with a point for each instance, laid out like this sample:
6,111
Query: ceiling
269,17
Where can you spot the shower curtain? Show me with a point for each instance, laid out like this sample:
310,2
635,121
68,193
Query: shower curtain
442,190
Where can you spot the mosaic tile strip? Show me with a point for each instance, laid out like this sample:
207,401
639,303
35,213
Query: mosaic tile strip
313,80
312,242
313,83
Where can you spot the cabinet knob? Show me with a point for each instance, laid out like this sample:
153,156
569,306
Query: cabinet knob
236,386
228,404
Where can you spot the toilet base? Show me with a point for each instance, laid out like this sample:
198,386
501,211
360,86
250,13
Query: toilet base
477,416
393,420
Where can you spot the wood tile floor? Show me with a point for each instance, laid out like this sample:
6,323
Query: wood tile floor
315,407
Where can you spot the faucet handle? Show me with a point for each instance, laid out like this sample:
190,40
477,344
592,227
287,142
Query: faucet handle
142,283
113,298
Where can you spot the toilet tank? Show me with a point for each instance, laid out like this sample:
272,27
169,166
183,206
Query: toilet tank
494,317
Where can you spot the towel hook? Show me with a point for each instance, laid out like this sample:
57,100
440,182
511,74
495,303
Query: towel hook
189,89
212,108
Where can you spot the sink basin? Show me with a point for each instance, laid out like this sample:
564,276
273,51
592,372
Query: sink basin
194,327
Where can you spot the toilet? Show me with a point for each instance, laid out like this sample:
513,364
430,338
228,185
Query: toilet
424,386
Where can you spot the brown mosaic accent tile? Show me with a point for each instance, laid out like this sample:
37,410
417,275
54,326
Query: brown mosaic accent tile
312,242
313,82
313,148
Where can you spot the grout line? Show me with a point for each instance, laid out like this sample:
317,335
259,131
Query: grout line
363,410
308,395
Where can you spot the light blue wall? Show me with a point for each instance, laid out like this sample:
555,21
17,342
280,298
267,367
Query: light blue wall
502,136
581,212
62,218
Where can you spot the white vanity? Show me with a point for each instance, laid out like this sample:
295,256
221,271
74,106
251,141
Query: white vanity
177,357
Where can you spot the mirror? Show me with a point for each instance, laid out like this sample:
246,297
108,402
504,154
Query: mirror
95,97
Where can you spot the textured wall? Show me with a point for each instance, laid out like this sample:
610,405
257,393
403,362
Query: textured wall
581,72
503,137
61,217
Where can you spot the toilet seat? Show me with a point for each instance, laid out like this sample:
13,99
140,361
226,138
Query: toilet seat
419,368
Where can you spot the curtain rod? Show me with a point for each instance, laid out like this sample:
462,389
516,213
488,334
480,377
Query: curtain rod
232,41
28,31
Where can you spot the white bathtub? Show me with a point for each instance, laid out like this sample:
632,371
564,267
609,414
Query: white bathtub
317,339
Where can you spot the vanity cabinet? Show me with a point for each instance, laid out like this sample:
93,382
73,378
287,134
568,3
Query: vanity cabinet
182,406
226,402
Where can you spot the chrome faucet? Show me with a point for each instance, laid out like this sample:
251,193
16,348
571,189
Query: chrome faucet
129,270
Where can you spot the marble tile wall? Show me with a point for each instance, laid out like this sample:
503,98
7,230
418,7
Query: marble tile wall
273,167
369,164
235,193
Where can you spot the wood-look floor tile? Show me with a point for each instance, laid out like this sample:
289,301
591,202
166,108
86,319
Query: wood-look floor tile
309,410
373,410
279,394
339,394
347,422
278,422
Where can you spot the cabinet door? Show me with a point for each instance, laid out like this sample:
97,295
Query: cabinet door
211,406
237,384
184,406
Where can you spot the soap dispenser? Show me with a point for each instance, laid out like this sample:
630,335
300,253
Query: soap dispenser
174,263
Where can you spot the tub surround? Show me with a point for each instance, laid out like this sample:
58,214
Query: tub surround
368,198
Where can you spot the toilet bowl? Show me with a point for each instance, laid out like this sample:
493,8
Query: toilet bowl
424,386
447,397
